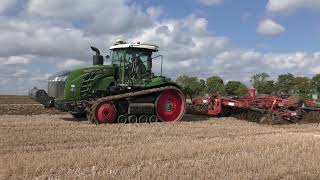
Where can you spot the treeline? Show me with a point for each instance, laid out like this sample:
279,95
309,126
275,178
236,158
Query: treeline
285,84
193,86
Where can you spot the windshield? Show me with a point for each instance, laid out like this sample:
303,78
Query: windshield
127,56
133,63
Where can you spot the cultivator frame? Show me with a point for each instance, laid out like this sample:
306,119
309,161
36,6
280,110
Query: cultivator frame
262,109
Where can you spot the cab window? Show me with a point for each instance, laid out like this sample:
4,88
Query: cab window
142,55
118,56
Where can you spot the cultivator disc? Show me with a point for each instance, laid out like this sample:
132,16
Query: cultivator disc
260,117
311,117
264,110
253,116
197,109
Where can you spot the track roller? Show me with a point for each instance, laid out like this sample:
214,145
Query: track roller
153,118
122,119
133,119
143,119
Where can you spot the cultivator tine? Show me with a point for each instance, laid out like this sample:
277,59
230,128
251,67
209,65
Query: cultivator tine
252,116
264,109
265,119
244,115
256,117
311,117
239,114
196,109
281,120
308,116
249,115
236,115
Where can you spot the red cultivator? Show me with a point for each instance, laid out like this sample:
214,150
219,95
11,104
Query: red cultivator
263,109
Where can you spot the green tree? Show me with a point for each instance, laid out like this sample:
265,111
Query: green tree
203,83
203,87
285,83
236,88
268,87
191,86
215,85
262,83
316,82
303,86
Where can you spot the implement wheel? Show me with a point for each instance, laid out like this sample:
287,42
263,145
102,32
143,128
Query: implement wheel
170,106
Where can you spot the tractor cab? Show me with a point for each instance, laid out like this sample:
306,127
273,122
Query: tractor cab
133,62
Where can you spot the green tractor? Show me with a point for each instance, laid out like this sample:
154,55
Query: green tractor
125,91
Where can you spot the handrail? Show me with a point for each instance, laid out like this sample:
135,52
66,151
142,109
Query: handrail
161,62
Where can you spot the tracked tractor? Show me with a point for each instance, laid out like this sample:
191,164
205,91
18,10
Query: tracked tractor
125,91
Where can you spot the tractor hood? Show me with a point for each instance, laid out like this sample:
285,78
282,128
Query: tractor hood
66,84
82,81
158,81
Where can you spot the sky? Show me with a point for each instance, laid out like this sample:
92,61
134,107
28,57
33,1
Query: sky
228,38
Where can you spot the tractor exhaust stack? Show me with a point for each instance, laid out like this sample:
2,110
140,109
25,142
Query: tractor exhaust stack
97,59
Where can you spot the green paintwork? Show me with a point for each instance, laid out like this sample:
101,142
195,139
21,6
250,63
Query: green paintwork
158,81
104,76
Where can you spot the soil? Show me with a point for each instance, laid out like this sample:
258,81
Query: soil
22,105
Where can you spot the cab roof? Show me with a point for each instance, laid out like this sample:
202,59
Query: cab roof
154,48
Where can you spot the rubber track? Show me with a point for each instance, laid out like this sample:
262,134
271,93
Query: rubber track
91,107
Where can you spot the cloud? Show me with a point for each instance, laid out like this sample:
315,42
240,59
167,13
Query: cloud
315,70
19,80
45,35
270,27
296,60
71,63
186,44
285,6
236,64
41,78
211,2
242,64
98,16
20,73
5,4
14,60
36,37
154,12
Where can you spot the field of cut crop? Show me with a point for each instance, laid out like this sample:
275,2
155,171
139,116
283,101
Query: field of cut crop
55,146
22,105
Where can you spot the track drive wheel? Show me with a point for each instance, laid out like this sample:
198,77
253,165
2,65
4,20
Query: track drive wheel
170,106
105,113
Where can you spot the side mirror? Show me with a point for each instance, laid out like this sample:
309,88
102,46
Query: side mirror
108,61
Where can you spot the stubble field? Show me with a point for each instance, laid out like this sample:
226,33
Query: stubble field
54,146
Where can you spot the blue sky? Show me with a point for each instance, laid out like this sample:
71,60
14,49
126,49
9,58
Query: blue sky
238,20
232,39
